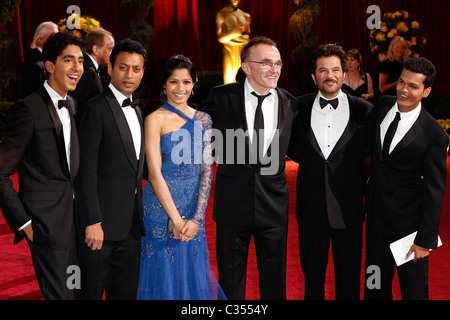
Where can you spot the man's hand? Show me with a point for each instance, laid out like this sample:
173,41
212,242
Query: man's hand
94,236
28,232
419,252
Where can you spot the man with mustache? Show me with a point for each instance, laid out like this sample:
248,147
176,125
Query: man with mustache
110,181
330,140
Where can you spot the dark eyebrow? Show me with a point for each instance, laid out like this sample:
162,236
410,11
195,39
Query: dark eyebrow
72,57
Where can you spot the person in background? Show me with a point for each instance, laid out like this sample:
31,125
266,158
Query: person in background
33,72
391,68
98,46
407,183
357,82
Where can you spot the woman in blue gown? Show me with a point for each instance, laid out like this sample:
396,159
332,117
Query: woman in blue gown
175,266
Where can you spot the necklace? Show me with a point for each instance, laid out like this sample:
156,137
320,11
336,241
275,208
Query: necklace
350,83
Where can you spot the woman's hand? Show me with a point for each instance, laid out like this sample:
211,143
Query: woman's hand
189,231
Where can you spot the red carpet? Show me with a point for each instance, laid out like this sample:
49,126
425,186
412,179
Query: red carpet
18,282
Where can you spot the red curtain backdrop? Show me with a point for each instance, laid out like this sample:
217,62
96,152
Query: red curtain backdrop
188,27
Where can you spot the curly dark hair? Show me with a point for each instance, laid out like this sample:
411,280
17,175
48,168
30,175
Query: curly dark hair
423,66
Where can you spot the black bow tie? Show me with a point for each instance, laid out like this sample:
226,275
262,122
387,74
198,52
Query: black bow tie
334,103
127,103
63,104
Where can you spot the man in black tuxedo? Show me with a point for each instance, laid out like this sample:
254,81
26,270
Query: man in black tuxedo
41,143
110,181
407,183
330,140
33,71
98,46
251,196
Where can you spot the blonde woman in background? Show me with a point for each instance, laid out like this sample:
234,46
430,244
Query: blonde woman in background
391,68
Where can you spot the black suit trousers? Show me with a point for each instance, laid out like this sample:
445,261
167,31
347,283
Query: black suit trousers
50,266
314,245
232,253
113,270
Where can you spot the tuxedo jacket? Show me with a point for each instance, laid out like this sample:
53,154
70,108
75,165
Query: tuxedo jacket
244,195
405,190
33,73
34,146
109,180
340,177
88,87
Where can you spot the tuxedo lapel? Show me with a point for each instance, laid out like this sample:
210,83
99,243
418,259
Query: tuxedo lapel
124,129
142,150
350,129
59,135
238,101
412,133
310,137
74,144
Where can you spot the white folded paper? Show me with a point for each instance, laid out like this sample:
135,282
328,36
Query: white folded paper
401,247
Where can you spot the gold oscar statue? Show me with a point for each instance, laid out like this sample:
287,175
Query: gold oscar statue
233,31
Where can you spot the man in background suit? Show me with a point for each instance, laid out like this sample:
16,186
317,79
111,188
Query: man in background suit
41,144
110,181
98,46
407,183
251,196
330,140
33,71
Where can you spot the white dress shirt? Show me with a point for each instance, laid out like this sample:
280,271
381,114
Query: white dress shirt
132,119
93,61
64,117
407,120
328,124
269,109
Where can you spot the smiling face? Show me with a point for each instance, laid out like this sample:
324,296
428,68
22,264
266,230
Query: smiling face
127,73
399,50
179,87
329,76
260,77
411,90
67,70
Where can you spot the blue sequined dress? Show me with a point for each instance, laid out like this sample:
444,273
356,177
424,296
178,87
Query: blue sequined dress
171,269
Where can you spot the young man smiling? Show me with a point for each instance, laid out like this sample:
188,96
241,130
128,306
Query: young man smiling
407,183
41,144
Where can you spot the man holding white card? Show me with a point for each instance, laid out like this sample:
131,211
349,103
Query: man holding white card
407,183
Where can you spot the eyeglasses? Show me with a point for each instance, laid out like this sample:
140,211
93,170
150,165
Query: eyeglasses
267,64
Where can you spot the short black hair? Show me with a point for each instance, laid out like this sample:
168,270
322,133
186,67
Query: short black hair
423,66
127,45
56,43
329,50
